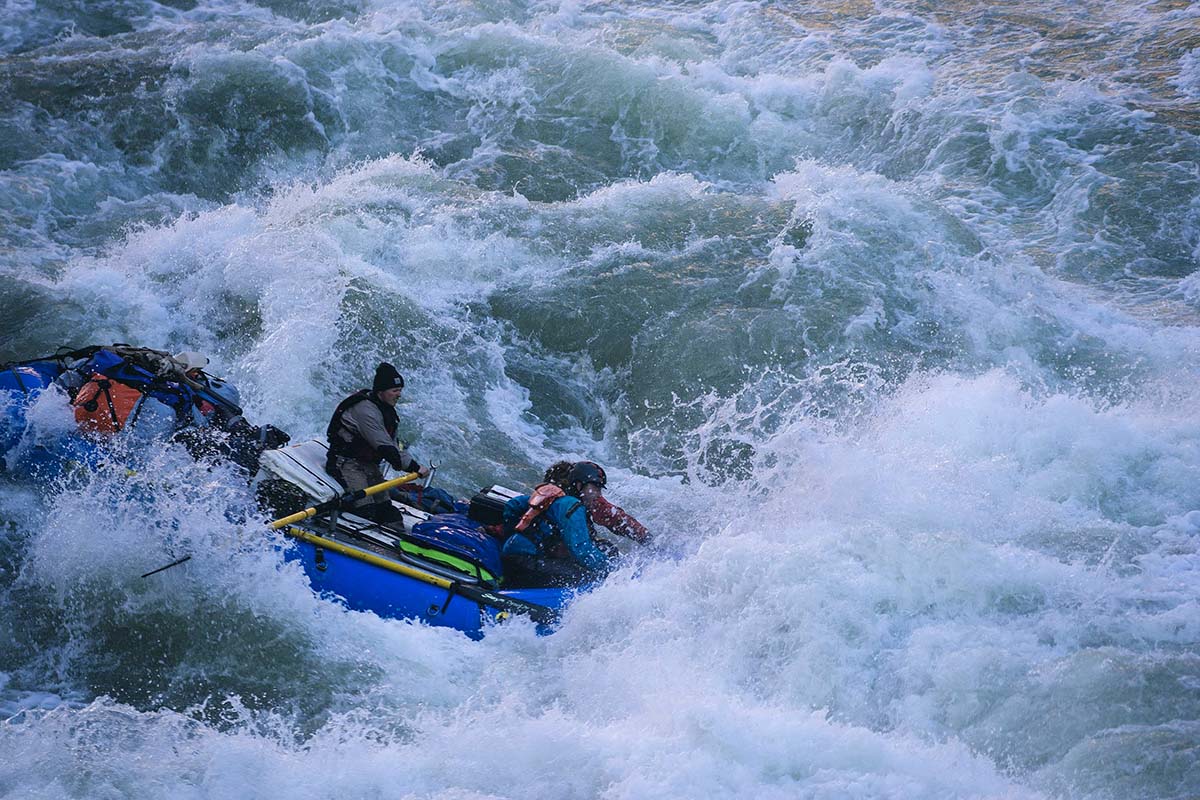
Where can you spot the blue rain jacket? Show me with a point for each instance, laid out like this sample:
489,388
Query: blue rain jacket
567,518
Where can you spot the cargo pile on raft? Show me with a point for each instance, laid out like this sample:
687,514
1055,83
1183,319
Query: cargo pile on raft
397,547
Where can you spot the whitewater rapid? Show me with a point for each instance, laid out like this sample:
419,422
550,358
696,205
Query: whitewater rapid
882,317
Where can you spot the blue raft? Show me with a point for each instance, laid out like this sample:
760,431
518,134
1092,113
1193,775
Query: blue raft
21,384
440,570
168,401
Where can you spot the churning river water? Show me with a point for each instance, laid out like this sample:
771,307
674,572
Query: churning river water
885,317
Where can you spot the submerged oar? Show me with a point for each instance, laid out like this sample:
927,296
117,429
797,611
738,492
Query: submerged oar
344,500
168,566
320,508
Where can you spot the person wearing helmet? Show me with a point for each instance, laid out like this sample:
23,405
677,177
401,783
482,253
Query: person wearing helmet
551,538
586,480
362,433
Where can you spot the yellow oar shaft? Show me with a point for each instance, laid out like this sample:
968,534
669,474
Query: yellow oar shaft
370,558
347,498
476,594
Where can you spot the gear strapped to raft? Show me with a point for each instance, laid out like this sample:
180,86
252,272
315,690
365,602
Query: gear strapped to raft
120,404
117,387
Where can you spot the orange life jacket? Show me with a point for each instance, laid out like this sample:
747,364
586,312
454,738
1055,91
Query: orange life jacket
104,406
539,501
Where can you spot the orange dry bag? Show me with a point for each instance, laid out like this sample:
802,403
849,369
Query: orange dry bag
104,406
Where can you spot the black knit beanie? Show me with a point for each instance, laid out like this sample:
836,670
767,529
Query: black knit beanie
386,377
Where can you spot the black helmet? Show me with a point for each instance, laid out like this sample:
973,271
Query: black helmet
557,474
585,472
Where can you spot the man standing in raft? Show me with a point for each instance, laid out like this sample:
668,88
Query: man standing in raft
362,433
